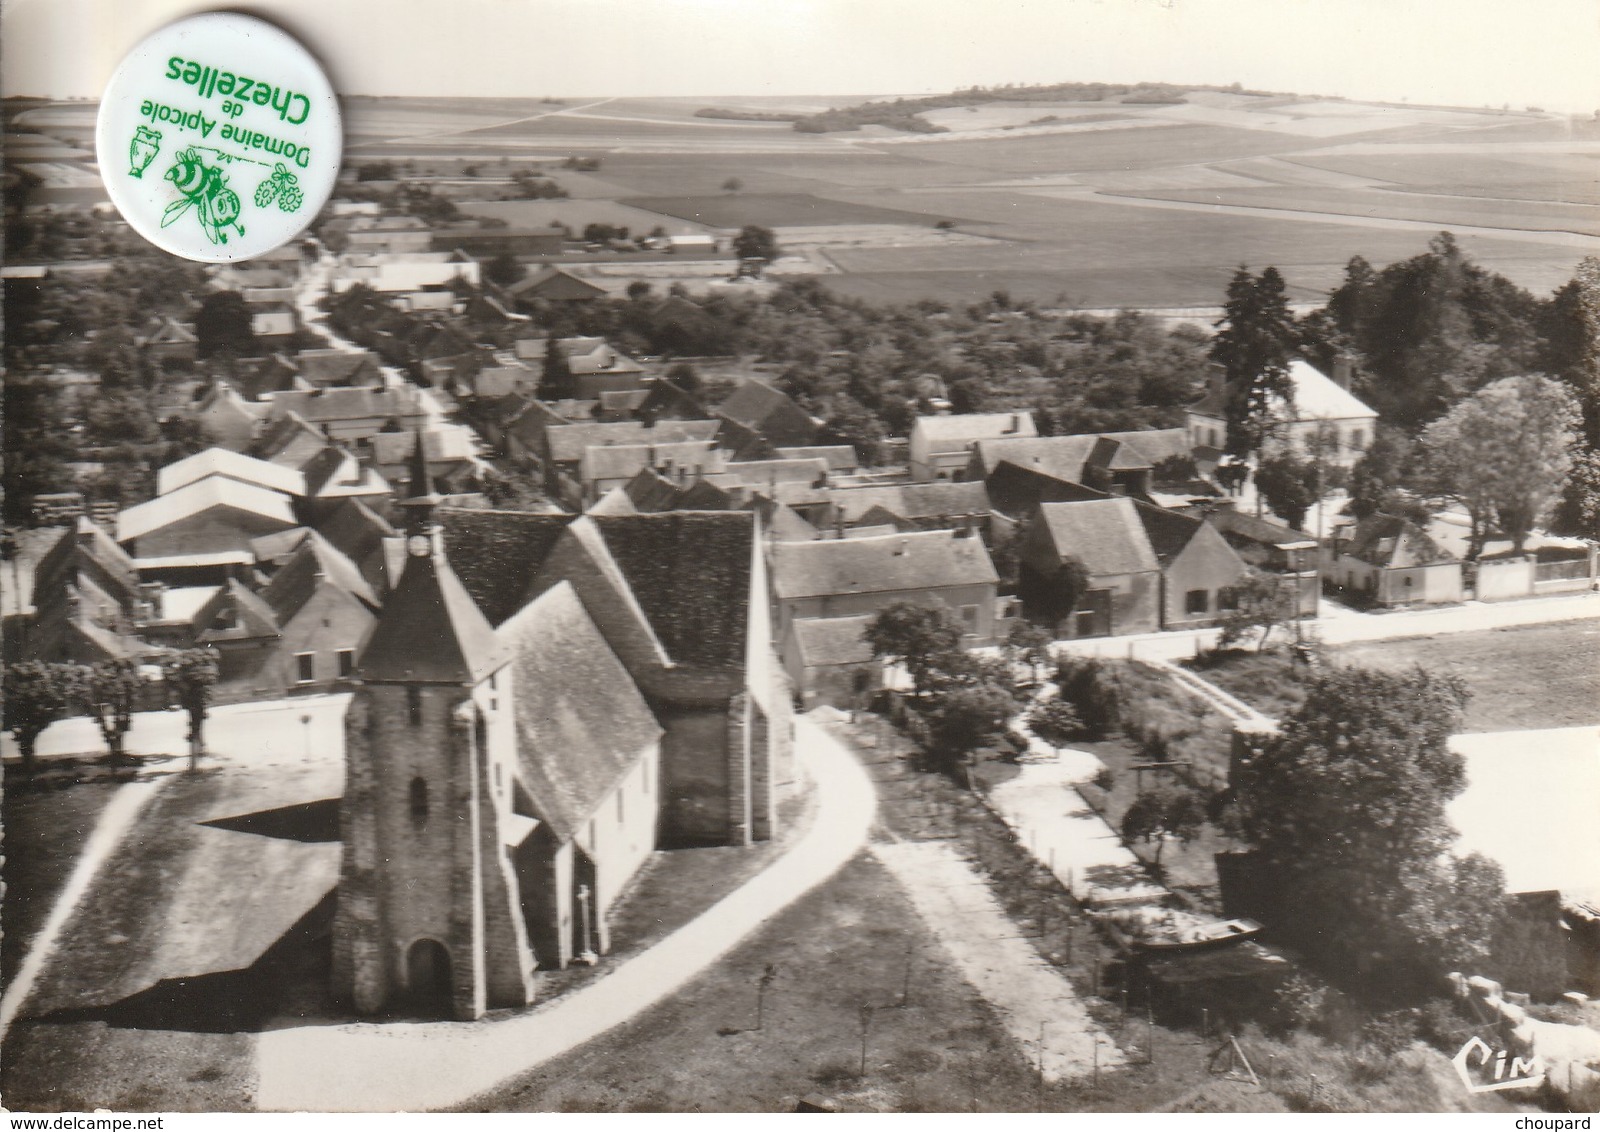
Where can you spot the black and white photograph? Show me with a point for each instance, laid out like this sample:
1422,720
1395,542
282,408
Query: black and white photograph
778,556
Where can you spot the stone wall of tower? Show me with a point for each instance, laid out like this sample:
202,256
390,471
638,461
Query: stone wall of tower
413,866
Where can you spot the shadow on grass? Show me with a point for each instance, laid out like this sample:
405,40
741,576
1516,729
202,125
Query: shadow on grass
225,1002
308,822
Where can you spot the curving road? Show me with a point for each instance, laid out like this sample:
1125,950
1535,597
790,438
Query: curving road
415,1066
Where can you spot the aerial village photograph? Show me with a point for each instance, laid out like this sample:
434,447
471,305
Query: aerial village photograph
903,556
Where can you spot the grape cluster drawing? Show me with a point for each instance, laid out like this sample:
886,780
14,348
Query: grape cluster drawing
283,186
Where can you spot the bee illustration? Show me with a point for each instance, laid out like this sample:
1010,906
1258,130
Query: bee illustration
206,189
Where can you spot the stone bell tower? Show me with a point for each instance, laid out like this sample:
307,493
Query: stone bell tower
429,917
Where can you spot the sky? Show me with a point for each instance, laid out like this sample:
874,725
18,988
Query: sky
1453,52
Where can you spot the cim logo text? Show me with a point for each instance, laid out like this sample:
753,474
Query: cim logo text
1484,1069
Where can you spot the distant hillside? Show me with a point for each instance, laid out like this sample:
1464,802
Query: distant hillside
901,113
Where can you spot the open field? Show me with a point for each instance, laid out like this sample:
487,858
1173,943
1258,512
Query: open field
1533,677
1112,204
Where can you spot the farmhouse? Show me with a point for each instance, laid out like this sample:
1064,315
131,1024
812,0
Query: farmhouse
1088,570
1199,570
1391,561
941,446
1319,405
829,661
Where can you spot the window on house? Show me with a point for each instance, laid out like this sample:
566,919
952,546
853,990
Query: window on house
414,706
347,662
969,619
1358,440
305,667
1408,579
419,800
1196,601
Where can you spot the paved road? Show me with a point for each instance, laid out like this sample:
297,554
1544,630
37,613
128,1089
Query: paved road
366,1067
1339,625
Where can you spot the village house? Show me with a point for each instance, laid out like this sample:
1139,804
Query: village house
228,418
1321,407
1391,561
941,446
913,506
1121,463
355,369
604,467
290,441
830,662
274,325
1119,591
168,340
257,379
486,243
770,414
453,462
560,448
554,285
841,577
229,465
596,366
86,594
406,272
1274,549
1016,491
1199,570
202,528
355,414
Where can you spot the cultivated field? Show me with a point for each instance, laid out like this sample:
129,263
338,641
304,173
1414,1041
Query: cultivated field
1107,203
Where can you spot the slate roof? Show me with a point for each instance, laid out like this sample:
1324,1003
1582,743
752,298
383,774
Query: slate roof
1104,534
233,465
431,631
619,461
917,560
581,723
203,495
826,641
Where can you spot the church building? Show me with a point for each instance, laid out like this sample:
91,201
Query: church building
544,702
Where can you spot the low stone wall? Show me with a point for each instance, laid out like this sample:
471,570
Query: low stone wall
1486,1001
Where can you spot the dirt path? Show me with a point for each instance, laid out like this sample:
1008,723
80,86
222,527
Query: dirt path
1033,999
382,1068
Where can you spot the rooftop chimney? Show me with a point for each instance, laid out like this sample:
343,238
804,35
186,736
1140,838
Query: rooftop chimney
1343,370
901,547
1016,424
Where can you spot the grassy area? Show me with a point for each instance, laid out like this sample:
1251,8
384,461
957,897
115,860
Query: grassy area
1533,676
1270,682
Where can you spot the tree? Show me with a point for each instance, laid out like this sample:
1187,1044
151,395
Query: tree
756,242
1578,513
109,691
36,695
192,674
638,290
1346,808
556,383
1029,643
1160,813
1377,480
37,445
1503,454
223,324
1290,486
732,185
966,718
504,270
1254,344
923,638
1056,722
1261,602
1089,685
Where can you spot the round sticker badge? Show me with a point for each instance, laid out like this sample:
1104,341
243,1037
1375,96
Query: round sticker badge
219,137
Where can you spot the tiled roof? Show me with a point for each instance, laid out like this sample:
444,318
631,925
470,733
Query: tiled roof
203,495
622,461
1015,490
833,640
443,443
954,432
767,410
838,457
1395,543
613,502
1236,525
760,473
285,431
495,553
356,530
568,442
251,617
650,492
581,723
1063,457
742,441
314,562
1151,445
1168,531
914,500
86,547
233,465
914,561
690,571
1104,534
338,404
431,631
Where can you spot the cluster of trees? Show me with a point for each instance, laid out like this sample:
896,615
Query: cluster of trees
1488,396
1345,810
38,694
